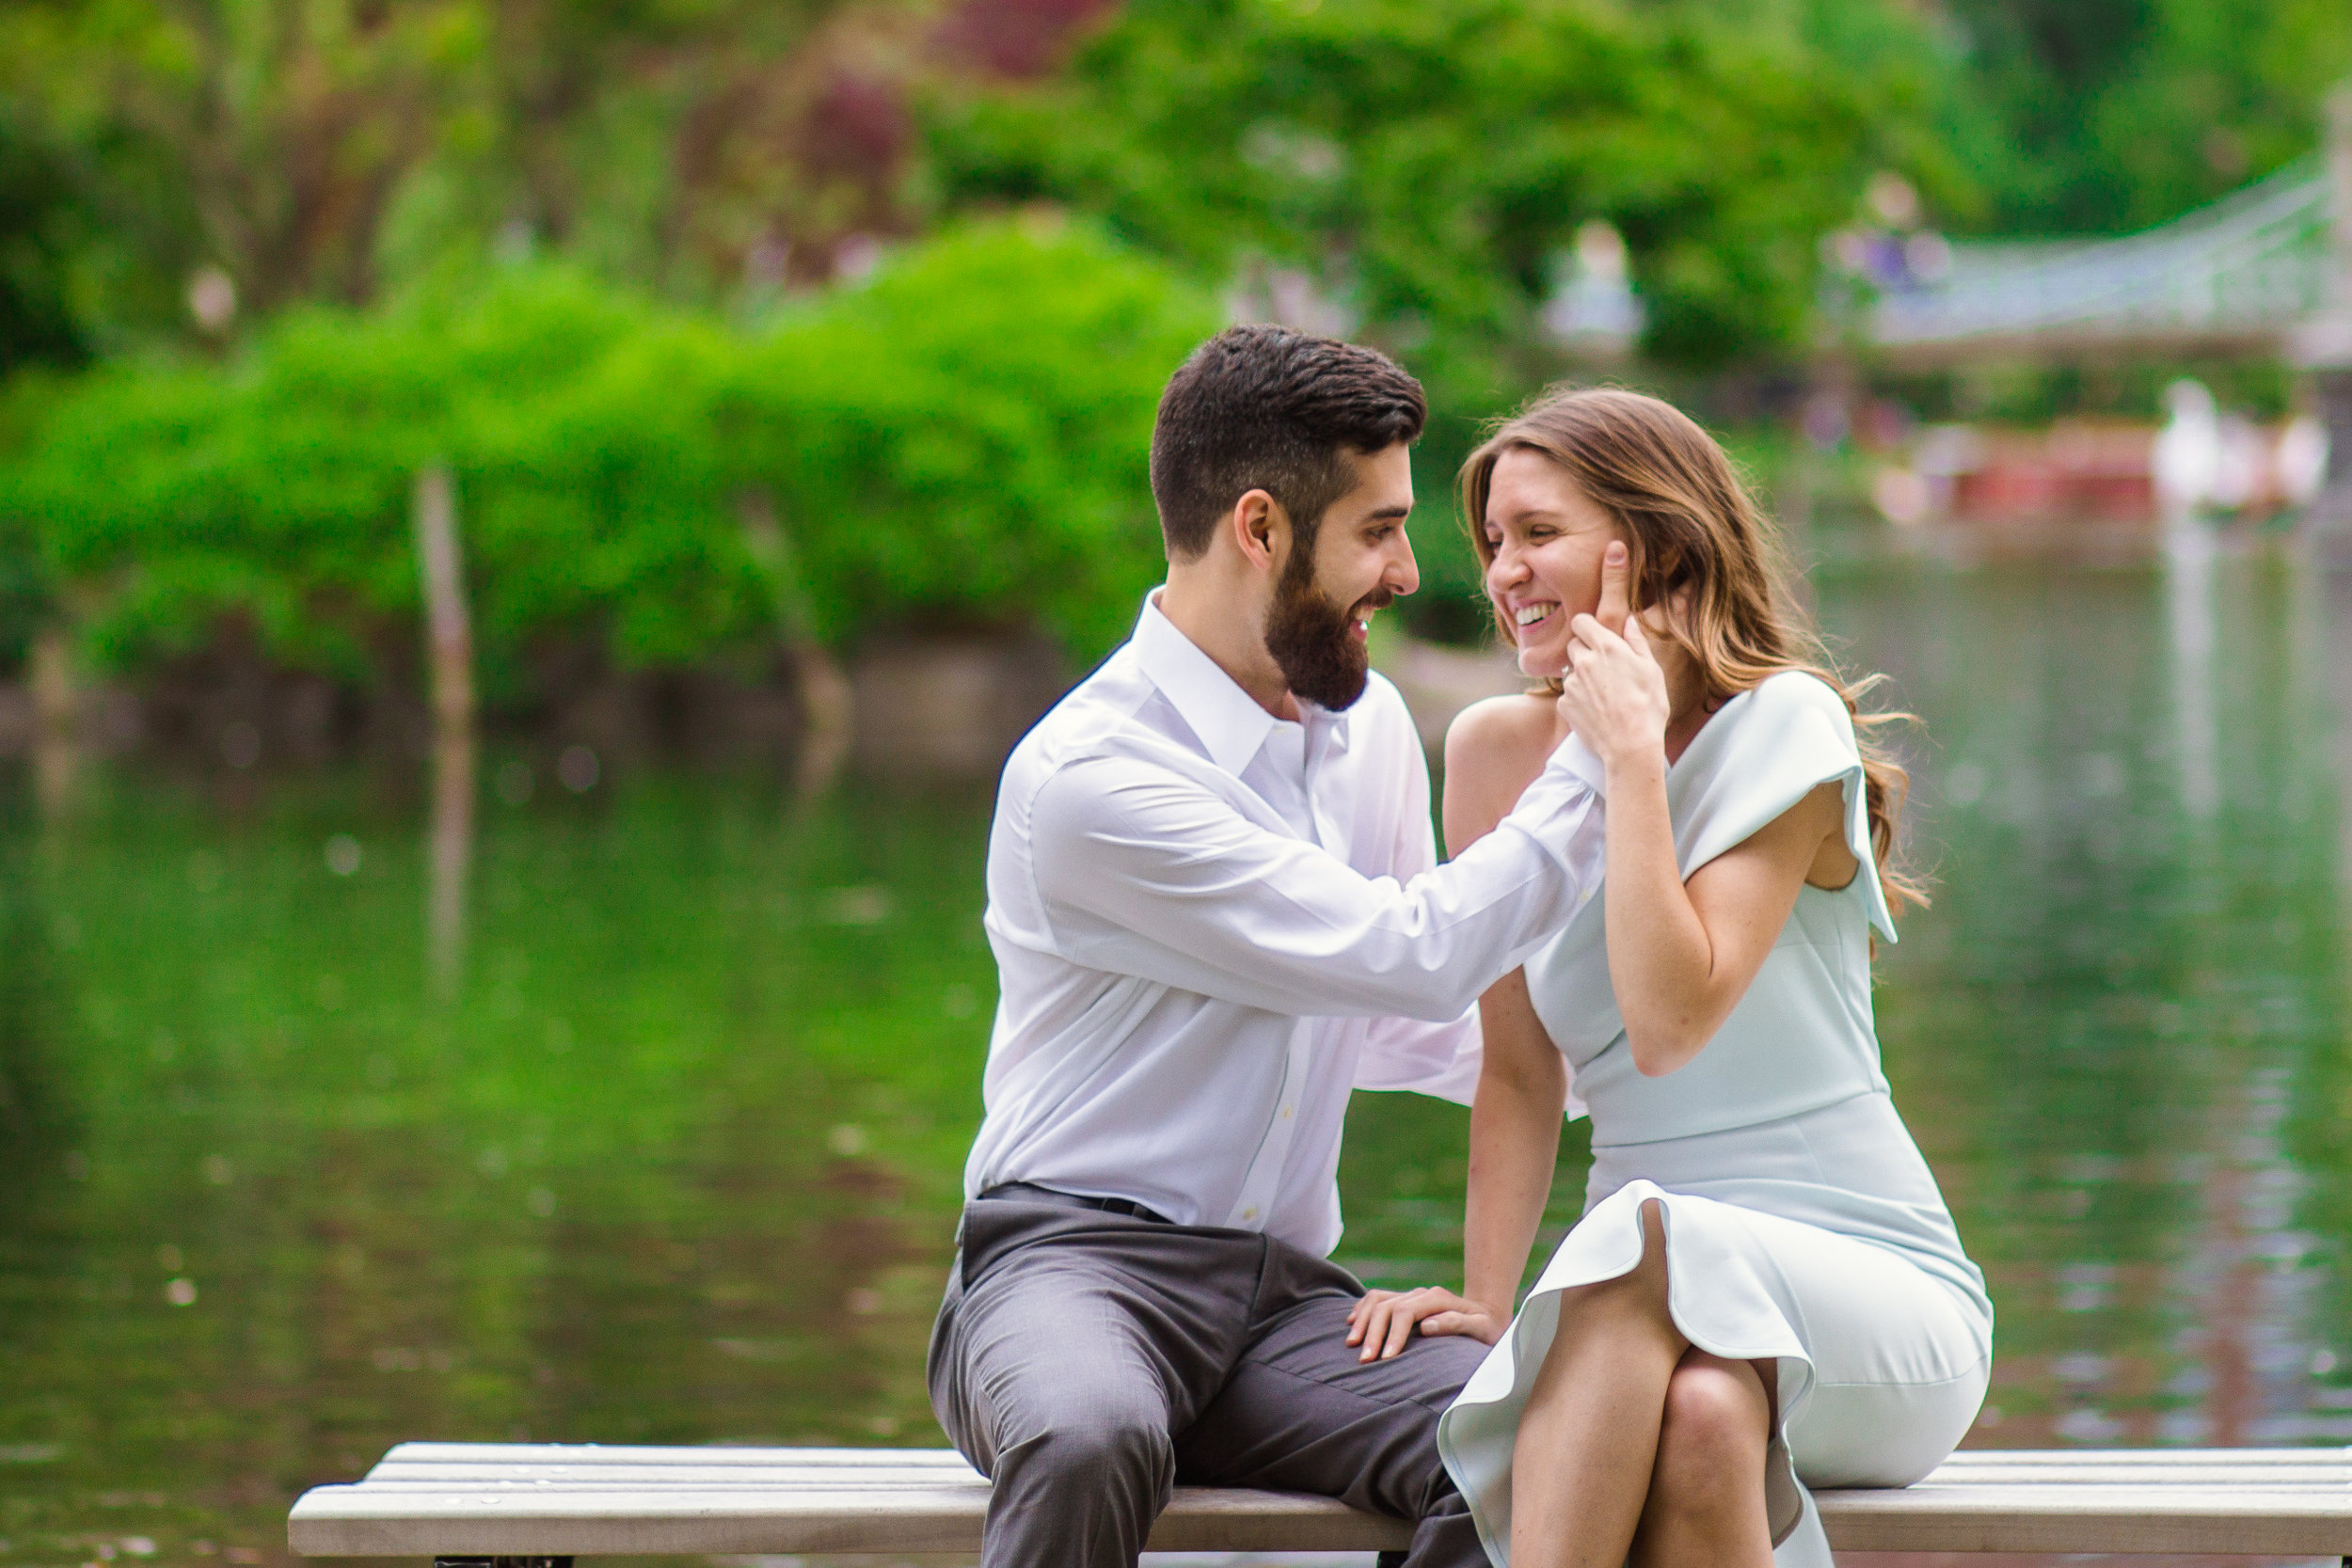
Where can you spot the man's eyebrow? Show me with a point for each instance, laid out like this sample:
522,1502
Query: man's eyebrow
1386,512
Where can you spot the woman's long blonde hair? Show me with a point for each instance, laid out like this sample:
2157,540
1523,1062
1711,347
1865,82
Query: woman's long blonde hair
1698,541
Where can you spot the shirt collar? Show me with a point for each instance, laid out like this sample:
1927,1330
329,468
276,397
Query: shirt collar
1230,722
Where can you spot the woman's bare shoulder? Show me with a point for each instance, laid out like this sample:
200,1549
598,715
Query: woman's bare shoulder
1502,730
1493,751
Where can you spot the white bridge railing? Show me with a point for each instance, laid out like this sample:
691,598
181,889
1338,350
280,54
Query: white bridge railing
2245,272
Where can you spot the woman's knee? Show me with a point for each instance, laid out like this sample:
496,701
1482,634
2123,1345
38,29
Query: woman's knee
1717,1419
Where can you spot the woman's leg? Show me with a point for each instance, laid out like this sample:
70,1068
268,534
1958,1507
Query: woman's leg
1628,1428
1707,1489
1581,1468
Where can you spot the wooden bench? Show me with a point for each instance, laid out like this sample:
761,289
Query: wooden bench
530,1504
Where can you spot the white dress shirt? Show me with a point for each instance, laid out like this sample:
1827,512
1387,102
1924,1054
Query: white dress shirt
1211,924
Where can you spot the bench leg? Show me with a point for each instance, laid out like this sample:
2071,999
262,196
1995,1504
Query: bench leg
502,1562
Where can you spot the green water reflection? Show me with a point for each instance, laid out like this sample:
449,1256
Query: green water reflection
682,1163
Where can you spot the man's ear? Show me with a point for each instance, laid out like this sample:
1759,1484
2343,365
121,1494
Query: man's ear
1260,529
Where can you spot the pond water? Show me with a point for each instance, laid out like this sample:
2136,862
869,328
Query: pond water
679,1160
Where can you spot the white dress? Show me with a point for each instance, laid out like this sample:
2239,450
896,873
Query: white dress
1801,1222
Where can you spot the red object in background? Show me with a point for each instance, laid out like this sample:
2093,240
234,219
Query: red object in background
858,128
2074,471
1017,38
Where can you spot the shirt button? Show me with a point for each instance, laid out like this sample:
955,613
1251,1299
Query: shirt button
1286,1111
1250,1213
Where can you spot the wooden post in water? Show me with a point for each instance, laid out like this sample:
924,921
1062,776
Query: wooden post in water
56,720
449,668
824,691
449,632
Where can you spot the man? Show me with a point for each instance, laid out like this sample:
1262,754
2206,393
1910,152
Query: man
1215,907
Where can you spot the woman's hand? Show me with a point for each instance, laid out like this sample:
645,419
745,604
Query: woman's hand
1614,693
1383,1321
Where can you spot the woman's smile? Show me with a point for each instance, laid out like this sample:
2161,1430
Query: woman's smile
1539,626
1545,537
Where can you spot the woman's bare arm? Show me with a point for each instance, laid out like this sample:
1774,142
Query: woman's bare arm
1513,1144
1680,954
1492,751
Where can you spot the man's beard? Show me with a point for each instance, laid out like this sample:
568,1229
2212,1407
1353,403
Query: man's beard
1311,640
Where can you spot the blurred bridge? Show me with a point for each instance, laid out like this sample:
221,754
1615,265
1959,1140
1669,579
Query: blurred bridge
2265,271
2242,276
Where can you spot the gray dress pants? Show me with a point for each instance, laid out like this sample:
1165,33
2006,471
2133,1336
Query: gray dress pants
1087,1362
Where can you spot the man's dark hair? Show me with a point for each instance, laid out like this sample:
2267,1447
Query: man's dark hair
1267,408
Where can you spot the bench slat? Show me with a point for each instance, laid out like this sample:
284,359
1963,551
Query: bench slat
851,1480
2063,1519
647,1457
353,1522
548,1500
2149,1462
463,1462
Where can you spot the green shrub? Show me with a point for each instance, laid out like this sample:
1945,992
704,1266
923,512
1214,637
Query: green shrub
963,439
277,489
969,435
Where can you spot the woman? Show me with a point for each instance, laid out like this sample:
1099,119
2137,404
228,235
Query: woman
1765,1285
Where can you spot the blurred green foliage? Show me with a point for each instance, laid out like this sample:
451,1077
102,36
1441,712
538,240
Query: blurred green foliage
1423,171
1427,167
332,151
606,262
970,434
963,436
41,224
2102,115
1423,157
2028,394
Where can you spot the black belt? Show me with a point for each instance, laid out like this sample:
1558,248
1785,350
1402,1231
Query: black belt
1029,1191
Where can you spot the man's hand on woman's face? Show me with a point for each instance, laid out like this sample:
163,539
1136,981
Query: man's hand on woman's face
1384,1320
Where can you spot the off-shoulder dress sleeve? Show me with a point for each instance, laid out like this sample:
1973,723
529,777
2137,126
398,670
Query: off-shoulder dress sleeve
1790,734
